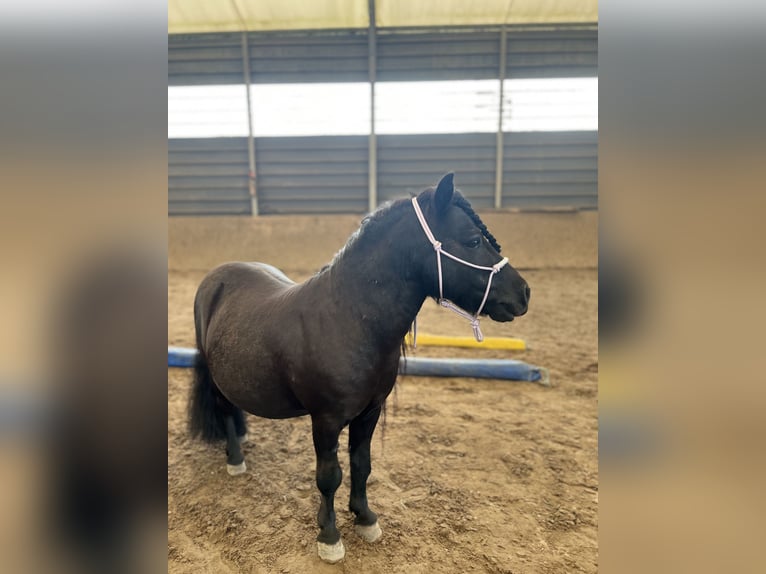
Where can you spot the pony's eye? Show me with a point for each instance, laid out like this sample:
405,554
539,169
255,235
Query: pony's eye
473,243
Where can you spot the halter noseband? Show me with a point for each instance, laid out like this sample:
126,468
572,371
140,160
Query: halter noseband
474,319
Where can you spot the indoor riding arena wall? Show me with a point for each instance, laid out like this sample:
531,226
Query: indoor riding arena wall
530,240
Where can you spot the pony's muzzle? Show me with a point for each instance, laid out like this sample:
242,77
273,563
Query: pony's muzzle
527,293
520,305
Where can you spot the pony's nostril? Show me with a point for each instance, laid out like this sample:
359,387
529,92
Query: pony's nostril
527,293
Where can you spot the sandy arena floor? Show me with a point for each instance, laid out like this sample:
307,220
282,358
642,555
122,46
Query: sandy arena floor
471,476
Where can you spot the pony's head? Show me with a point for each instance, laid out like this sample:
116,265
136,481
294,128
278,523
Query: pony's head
463,235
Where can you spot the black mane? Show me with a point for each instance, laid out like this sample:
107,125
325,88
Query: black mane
463,204
373,223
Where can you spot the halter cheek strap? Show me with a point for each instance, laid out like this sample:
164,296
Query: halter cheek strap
473,318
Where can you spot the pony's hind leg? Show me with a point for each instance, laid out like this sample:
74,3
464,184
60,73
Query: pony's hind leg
328,478
240,427
235,460
213,417
359,438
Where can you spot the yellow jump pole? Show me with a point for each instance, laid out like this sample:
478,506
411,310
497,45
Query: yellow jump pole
505,343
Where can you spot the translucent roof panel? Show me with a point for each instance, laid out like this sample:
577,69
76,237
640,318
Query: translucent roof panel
192,16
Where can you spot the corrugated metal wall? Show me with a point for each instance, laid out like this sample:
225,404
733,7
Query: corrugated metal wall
551,54
195,59
408,163
550,169
208,176
312,174
330,174
402,55
295,175
275,57
438,55
320,57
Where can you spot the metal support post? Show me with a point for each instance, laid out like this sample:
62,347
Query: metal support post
250,140
499,142
372,186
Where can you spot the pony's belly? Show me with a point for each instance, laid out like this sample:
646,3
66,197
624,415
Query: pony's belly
262,397
277,414
271,405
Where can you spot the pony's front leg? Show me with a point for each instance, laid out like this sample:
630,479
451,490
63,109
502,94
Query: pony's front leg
359,438
328,477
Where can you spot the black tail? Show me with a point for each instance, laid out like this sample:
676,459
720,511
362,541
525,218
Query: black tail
208,407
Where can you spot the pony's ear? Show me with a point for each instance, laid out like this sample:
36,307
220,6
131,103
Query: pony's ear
444,192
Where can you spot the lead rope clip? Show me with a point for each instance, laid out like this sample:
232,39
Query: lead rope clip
477,334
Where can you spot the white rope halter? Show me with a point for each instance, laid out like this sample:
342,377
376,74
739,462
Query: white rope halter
474,319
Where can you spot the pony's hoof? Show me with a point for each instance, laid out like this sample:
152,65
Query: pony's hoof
370,533
243,439
235,469
331,553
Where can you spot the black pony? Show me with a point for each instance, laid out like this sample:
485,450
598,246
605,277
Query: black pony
330,347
